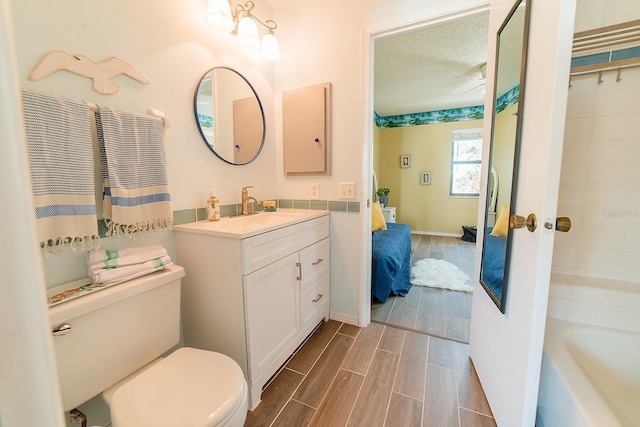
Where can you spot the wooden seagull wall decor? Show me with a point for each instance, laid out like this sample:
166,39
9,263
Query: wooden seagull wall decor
101,72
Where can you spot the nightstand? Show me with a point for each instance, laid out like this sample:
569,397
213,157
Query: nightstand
389,214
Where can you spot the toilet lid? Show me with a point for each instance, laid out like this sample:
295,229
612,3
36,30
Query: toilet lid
190,387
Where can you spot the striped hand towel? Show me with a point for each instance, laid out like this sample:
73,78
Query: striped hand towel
60,149
134,172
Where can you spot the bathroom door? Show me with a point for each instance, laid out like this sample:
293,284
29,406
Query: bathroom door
506,349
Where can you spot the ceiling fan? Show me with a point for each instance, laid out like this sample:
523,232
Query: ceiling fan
479,74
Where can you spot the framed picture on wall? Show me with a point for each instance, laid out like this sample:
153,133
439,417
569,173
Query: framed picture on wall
405,161
425,178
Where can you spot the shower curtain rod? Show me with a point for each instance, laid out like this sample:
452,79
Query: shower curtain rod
612,35
605,66
595,41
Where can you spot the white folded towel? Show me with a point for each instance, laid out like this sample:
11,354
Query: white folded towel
144,253
125,257
121,274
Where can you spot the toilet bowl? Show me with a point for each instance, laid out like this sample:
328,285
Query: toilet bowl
190,387
112,342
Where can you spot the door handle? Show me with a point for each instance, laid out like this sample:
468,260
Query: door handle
517,221
299,265
563,224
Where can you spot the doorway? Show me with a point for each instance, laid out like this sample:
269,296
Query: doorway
421,62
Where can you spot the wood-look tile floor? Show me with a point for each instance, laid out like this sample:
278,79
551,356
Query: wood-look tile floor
374,376
438,312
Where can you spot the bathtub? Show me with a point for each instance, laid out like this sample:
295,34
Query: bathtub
590,376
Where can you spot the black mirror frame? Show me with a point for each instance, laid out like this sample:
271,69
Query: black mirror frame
204,138
501,302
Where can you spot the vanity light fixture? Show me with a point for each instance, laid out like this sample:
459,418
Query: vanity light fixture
241,21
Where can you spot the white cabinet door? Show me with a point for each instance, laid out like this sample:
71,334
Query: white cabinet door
272,311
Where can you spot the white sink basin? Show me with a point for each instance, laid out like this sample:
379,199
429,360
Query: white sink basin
240,227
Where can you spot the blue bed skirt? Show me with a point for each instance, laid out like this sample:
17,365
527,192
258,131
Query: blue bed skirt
391,262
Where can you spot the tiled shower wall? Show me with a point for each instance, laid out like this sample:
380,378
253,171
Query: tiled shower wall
600,180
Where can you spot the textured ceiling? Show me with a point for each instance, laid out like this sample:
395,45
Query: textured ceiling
435,68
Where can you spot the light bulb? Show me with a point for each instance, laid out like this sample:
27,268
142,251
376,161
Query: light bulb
248,32
270,48
219,15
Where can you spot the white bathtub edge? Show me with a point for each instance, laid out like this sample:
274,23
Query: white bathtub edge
566,397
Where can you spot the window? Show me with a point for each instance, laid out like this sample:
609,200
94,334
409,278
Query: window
466,155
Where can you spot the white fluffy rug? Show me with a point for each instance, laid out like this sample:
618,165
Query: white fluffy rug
437,273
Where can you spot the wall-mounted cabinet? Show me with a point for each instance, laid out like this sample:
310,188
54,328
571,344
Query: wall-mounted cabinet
306,130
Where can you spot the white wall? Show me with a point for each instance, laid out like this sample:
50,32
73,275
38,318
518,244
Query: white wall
329,42
592,14
600,181
172,46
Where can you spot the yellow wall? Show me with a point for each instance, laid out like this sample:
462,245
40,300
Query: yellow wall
426,208
376,153
503,152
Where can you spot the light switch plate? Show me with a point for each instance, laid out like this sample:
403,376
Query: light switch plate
347,190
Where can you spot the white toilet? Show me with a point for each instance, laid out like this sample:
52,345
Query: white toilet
112,343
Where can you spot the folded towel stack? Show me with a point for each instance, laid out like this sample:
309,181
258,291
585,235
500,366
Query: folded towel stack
115,266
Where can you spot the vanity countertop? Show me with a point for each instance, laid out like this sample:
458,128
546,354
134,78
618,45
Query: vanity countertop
241,227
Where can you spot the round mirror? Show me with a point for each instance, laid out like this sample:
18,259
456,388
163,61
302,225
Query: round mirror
229,116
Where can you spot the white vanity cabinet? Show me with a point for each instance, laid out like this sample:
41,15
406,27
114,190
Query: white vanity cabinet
256,297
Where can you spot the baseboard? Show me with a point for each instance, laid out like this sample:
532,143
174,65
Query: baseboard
344,318
436,233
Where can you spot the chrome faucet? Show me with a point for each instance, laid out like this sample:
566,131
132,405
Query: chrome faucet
246,198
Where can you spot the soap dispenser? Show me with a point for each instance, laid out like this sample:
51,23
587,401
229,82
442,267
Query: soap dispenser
213,207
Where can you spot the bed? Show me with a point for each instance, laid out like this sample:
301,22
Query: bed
493,261
391,261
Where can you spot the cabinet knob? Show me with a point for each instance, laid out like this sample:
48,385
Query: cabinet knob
299,265
316,140
318,298
318,261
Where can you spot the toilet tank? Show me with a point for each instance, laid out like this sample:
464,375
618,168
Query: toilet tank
114,332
